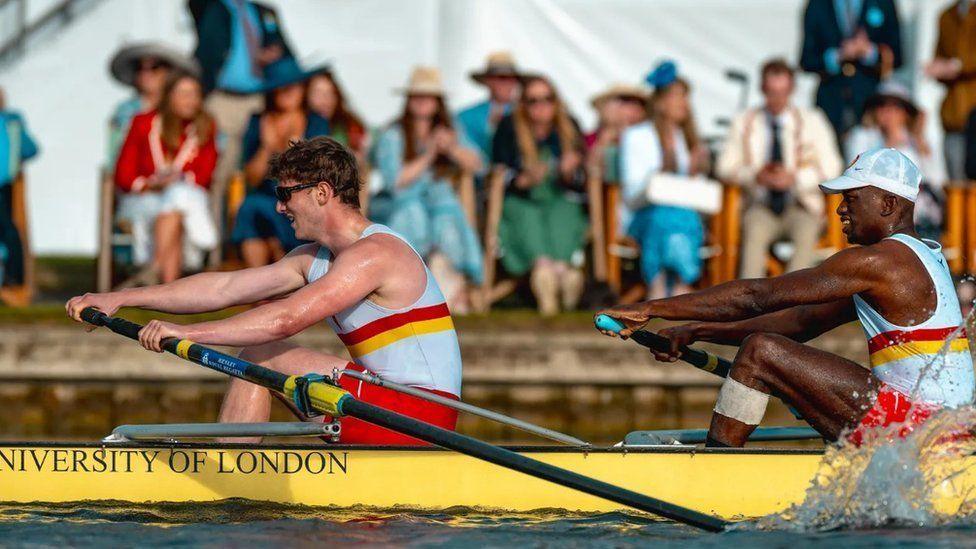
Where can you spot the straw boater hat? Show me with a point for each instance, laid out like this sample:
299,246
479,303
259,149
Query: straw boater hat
620,90
123,63
499,63
424,81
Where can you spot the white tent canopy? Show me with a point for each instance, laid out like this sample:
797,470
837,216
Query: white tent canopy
63,88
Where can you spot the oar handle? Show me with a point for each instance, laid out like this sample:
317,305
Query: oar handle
121,326
696,357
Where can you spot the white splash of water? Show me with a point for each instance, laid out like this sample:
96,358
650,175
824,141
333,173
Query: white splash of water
927,478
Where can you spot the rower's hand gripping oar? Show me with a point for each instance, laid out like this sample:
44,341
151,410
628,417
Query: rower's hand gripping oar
334,401
696,357
703,360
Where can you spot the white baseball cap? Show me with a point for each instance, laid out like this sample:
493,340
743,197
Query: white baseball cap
886,169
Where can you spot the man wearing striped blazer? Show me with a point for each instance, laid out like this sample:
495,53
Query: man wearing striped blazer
779,153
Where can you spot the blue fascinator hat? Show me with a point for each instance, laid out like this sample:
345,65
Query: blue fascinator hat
663,74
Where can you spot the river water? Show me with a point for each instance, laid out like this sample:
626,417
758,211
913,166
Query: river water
238,524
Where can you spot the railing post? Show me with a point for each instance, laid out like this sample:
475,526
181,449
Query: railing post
954,238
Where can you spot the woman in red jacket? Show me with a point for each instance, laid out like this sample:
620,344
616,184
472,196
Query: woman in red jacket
164,170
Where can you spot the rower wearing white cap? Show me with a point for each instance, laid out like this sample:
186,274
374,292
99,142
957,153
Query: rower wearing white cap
897,284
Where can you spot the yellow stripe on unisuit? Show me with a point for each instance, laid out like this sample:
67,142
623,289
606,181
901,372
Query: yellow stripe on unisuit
389,337
183,347
916,348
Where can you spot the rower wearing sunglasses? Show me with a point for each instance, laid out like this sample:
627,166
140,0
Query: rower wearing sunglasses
364,280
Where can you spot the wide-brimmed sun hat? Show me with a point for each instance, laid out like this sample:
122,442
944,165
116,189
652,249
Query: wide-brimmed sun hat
888,169
424,81
499,63
123,63
892,90
620,90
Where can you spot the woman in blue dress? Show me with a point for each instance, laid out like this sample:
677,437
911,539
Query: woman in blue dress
669,237
419,156
263,234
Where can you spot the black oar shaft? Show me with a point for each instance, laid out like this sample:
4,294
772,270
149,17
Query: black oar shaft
699,359
347,405
204,356
517,462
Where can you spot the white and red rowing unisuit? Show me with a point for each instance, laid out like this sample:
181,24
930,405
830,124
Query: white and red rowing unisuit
415,345
924,367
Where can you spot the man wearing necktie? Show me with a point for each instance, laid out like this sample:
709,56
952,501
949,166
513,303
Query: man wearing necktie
779,154
236,40
851,44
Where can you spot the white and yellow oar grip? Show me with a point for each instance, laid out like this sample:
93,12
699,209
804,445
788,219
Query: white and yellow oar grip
325,398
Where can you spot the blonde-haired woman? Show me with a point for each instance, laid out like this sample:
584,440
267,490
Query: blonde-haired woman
543,225
669,236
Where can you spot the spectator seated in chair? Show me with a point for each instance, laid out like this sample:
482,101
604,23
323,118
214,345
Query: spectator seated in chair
16,146
264,234
543,225
164,168
669,236
892,120
144,68
418,156
327,99
779,154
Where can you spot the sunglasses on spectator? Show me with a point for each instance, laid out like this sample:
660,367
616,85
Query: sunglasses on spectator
537,100
150,66
283,194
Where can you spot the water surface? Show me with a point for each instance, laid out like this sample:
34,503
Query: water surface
236,523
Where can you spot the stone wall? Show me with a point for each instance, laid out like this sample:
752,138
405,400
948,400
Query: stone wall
59,382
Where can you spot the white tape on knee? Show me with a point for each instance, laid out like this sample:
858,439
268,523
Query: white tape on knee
741,403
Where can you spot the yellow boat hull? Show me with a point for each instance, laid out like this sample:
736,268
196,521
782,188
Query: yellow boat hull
729,484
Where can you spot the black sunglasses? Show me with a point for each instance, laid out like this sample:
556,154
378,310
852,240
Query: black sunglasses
283,194
530,101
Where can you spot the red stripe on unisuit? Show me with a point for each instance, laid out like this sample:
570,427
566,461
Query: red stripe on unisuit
897,337
381,325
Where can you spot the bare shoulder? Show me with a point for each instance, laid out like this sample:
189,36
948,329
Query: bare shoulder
397,271
884,261
860,257
300,259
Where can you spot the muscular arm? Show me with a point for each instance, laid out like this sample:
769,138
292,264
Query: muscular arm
206,292
801,323
844,274
355,274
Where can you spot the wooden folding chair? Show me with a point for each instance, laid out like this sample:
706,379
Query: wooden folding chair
957,242
490,291
597,210
23,294
831,242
